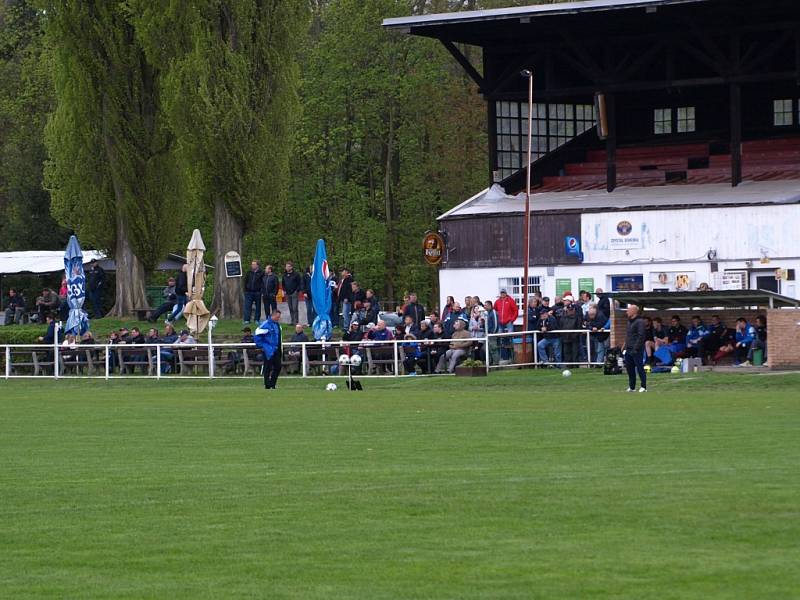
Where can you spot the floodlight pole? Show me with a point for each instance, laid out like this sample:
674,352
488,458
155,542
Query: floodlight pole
528,73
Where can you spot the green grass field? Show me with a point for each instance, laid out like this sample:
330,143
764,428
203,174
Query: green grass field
523,485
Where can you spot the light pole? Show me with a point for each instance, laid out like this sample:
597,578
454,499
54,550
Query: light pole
528,74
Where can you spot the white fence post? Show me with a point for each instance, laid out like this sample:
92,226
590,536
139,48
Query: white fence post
486,351
158,361
56,329
8,362
107,358
304,358
396,359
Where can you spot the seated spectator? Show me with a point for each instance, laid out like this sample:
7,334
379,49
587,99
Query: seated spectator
677,335
412,354
710,343
49,336
15,308
549,341
136,336
660,335
167,354
170,336
433,349
695,336
649,341
425,330
409,326
745,336
459,348
434,319
48,302
152,336
294,354
760,341
381,333
185,338
727,344
170,298
704,287
596,323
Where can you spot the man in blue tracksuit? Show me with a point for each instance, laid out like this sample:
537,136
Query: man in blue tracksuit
695,335
268,338
745,335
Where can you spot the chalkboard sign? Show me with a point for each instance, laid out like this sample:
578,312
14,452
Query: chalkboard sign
233,264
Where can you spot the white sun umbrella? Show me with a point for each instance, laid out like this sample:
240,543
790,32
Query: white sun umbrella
196,313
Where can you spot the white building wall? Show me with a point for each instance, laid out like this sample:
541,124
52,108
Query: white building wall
674,243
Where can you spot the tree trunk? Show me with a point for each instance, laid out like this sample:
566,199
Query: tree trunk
130,291
228,232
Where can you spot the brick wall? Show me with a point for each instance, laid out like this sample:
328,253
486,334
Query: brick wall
783,338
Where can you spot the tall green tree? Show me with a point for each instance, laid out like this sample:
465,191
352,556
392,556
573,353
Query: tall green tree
112,170
26,98
231,96
392,134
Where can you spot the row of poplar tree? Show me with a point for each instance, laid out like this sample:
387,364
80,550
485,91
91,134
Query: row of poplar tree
265,123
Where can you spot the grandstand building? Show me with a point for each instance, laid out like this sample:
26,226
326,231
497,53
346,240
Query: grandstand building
695,179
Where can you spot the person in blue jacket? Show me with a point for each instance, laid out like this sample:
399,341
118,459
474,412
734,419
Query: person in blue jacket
268,338
694,336
745,334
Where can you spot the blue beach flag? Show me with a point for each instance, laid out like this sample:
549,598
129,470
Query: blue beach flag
78,320
321,294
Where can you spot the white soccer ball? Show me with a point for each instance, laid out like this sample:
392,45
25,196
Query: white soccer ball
566,373
355,360
344,359
331,387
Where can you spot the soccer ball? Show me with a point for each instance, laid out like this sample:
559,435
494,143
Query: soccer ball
647,368
344,359
355,360
675,369
331,387
566,373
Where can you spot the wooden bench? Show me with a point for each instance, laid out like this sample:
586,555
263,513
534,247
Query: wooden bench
143,313
379,355
319,358
192,358
77,359
37,360
128,358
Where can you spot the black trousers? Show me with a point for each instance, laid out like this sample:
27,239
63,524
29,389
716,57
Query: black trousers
634,366
272,368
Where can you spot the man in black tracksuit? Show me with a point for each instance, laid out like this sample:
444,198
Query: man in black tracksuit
269,290
252,292
634,348
292,286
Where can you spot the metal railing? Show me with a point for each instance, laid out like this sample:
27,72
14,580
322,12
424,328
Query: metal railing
301,359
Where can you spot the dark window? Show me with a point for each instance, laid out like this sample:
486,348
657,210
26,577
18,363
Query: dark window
552,125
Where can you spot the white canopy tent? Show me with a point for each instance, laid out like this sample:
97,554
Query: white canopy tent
39,261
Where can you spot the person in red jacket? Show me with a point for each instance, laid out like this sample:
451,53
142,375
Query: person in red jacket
507,313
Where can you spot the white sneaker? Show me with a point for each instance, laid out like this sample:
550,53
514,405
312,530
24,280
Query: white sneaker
642,390
630,390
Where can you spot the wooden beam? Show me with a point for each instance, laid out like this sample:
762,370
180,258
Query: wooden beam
660,85
736,133
611,143
465,64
